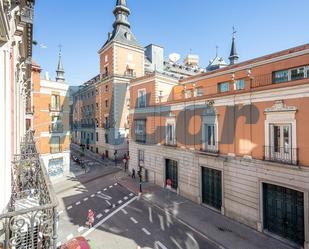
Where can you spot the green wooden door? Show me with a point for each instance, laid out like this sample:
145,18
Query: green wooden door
284,212
211,187
171,172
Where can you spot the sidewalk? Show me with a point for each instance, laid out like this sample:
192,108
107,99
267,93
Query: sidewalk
225,232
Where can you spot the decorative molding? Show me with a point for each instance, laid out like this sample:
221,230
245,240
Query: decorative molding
280,106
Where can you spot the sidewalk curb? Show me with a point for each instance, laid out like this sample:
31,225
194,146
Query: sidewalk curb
212,241
88,180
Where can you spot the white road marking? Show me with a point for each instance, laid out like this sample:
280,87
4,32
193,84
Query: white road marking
92,195
131,194
104,196
99,216
150,214
70,236
85,199
125,198
134,220
77,203
59,243
99,192
116,184
120,201
108,217
110,186
159,245
146,231
105,189
161,222
168,218
114,205
124,211
106,211
108,203
69,207
60,212
80,229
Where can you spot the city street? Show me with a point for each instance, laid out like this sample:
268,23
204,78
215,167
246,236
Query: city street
123,220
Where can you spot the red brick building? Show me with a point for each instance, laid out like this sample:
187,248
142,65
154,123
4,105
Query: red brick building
234,139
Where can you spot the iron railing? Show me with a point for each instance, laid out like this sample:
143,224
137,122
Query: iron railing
55,108
213,148
140,138
31,217
281,154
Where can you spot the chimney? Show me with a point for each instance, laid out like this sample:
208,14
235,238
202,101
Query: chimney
46,76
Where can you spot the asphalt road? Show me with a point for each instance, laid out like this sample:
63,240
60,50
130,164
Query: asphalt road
123,221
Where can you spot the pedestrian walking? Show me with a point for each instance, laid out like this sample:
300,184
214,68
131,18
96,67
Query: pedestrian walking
133,173
90,218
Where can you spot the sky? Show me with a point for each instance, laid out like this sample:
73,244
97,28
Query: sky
181,26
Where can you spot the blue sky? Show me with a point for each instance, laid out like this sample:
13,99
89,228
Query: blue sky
263,26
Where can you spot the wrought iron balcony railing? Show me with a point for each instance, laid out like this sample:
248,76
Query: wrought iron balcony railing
140,138
31,218
55,108
88,126
210,148
281,154
30,110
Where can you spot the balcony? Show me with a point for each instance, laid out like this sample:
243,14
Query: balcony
130,74
30,221
281,155
56,128
30,110
55,149
140,138
89,126
55,108
26,15
210,148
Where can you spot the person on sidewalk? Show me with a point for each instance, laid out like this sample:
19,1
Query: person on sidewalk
133,173
90,218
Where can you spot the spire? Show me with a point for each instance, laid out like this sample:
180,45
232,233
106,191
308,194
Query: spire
60,70
233,55
121,13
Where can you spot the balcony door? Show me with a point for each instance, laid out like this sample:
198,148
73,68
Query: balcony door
281,142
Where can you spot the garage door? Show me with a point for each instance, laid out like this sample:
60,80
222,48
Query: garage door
284,212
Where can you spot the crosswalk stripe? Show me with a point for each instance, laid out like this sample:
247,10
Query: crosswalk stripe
85,199
77,203
146,231
134,220
69,207
99,216
80,229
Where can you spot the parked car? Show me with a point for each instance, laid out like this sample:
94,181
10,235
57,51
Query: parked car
78,243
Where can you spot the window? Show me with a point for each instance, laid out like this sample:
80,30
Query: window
199,92
105,74
92,93
140,131
97,150
55,102
106,103
170,133
97,106
96,92
308,72
97,136
106,88
141,100
210,143
298,73
224,87
106,138
91,136
140,157
281,138
280,76
239,84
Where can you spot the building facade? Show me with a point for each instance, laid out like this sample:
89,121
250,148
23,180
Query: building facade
15,54
50,99
233,139
101,106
